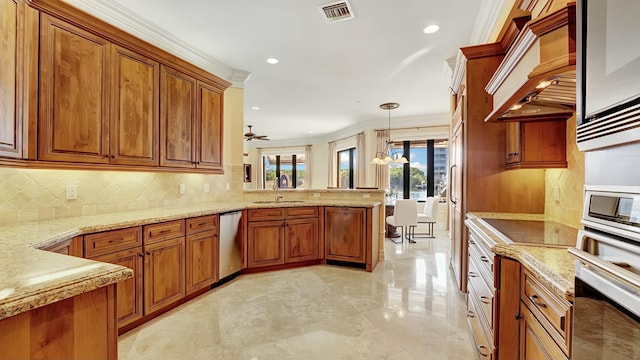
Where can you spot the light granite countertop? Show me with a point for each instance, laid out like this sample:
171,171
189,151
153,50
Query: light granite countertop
553,265
31,278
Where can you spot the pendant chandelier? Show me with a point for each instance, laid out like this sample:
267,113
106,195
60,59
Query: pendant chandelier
389,156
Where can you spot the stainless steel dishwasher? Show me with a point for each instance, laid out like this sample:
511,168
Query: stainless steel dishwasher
230,258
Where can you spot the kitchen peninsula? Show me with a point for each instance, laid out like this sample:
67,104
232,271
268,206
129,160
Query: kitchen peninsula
37,280
525,270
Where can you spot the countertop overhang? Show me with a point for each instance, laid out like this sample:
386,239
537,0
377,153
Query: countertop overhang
551,264
31,278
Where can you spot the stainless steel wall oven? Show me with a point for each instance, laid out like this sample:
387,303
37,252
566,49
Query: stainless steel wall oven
607,287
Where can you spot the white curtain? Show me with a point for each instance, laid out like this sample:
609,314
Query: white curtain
260,170
307,166
331,182
361,161
382,171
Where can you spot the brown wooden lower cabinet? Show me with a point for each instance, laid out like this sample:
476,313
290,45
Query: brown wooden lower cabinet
201,251
535,342
164,267
265,243
345,234
301,242
282,236
121,247
82,327
129,308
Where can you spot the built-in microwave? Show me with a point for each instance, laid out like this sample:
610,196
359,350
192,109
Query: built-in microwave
608,73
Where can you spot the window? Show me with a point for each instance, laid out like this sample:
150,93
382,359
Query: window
289,169
346,168
426,172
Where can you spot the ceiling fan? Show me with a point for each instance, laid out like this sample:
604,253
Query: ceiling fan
252,136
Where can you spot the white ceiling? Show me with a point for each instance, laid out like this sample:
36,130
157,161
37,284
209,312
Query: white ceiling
331,76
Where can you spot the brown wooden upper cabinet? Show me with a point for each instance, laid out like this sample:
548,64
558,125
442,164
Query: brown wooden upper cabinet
191,121
536,144
76,90
74,101
10,121
134,109
100,100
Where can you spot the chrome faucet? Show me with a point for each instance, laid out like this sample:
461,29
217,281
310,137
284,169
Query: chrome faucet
276,188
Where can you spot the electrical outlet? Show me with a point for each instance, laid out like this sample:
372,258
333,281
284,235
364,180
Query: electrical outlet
316,194
556,193
72,192
183,189
206,188
228,186
366,196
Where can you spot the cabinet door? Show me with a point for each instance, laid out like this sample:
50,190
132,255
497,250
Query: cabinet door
10,112
134,112
301,242
177,116
513,142
202,260
164,281
345,234
74,101
535,342
265,243
209,130
459,255
129,291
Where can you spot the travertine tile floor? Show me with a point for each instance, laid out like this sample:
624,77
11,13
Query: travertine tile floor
408,308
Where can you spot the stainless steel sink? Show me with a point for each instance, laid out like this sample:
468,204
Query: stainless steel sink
277,202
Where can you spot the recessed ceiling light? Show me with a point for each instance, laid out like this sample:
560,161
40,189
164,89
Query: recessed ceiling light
255,108
431,29
273,60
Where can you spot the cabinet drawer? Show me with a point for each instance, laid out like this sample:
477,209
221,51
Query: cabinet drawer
535,342
202,223
553,312
111,241
484,262
301,212
163,231
483,293
266,214
483,342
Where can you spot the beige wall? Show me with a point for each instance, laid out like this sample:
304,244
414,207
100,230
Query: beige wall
564,187
34,194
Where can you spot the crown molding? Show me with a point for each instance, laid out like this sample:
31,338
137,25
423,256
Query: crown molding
119,16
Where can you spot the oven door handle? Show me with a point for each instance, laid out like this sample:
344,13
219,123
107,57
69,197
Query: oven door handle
609,269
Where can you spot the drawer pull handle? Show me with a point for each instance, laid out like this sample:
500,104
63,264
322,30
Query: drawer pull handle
148,253
484,258
485,300
480,351
535,300
470,314
517,316
472,242
472,274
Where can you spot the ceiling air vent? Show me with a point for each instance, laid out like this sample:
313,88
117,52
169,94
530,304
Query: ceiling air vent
336,11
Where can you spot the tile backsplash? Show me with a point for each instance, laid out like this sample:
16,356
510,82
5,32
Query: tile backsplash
564,188
35,194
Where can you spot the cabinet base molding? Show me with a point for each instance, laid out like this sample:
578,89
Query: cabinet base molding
157,313
280,267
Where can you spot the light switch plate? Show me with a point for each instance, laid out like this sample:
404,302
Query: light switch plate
183,189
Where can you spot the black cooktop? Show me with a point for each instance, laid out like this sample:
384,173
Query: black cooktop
535,232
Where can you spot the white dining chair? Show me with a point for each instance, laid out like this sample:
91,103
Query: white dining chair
404,216
428,216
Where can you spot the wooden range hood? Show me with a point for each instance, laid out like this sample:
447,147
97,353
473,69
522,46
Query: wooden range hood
537,78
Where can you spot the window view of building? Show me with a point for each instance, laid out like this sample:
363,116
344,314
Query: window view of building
412,178
347,168
288,169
